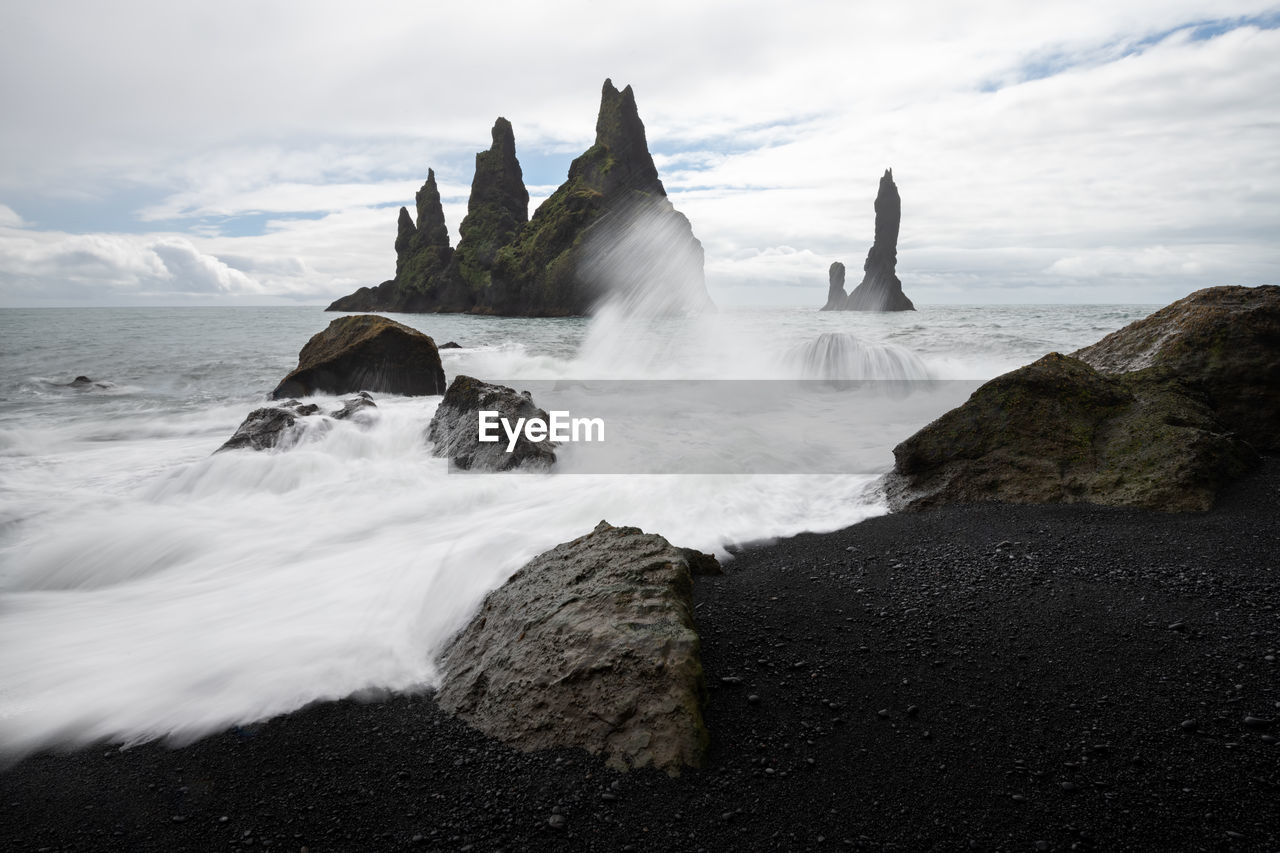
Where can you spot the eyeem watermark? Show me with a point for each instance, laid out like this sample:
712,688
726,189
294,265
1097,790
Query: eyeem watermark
561,428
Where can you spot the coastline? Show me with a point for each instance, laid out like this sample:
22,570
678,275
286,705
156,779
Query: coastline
1050,653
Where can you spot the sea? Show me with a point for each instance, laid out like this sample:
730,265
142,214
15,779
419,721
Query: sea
152,588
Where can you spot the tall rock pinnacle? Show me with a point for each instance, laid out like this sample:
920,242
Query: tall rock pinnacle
498,208
880,289
620,157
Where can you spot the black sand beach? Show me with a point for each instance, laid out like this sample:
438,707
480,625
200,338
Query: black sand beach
973,678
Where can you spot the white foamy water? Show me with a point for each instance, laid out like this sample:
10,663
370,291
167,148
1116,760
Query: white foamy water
149,588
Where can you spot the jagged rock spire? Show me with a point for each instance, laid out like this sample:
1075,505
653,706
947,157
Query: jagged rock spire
498,207
835,291
880,289
620,158
431,224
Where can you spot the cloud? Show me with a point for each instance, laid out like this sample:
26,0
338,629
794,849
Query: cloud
1033,145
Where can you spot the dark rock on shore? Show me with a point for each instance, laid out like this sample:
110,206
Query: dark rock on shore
880,289
451,345
84,383
1185,399
1223,342
511,265
591,645
1057,431
272,426
836,297
455,428
366,353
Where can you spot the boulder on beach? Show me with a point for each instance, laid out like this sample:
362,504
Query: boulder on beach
1224,342
455,428
366,353
273,426
1058,431
1160,414
592,645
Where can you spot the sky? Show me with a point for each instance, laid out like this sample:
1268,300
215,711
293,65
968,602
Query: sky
251,153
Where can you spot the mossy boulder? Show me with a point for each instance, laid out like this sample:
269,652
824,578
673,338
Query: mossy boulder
366,352
592,645
1223,342
1058,431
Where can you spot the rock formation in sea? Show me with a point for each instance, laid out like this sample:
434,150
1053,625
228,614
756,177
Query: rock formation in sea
880,289
592,644
365,353
274,426
455,428
1160,414
509,264
836,297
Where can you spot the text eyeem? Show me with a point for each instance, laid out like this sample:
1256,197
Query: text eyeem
561,428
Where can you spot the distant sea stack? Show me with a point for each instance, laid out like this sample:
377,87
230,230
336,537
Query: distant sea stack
880,289
511,265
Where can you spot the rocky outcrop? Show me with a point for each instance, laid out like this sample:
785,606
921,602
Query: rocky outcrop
273,426
591,645
880,289
497,210
365,353
1223,342
454,431
1057,431
511,265
836,297
1160,414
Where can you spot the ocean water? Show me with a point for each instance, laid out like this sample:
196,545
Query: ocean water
150,589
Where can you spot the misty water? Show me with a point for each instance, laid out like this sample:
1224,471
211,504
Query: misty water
149,588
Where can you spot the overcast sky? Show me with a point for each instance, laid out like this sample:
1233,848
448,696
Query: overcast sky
256,153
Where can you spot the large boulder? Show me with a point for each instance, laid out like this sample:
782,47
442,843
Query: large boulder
1224,342
592,645
455,428
1058,431
366,353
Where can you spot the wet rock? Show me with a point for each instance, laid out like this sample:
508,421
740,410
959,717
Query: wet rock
366,353
451,345
273,426
591,645
455,428
362,402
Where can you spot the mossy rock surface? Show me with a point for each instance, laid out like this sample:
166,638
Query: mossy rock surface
1058,431
366,352
1224,342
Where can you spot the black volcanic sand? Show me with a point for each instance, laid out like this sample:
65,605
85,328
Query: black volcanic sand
991,678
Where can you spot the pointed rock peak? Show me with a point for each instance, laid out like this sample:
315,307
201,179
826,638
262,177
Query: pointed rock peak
620,139
431,222
504,138
406,221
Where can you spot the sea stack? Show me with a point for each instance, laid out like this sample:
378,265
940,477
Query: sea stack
880,289
836,297
509,264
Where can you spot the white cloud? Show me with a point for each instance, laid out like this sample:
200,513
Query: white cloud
1140,160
